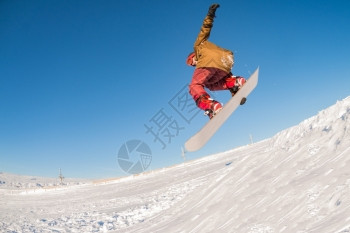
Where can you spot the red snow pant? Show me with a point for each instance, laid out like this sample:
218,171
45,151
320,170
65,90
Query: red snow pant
212,78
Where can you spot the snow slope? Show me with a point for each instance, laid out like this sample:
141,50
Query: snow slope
297,181
13,181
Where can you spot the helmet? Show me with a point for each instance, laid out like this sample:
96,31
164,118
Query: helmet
189,58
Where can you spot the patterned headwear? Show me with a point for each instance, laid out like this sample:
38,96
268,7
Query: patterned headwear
189,58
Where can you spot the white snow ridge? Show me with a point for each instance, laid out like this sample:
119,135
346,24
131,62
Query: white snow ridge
298,181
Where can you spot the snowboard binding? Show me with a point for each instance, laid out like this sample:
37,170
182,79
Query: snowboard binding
210,113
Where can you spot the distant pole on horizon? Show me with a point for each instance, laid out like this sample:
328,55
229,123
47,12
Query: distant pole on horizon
183,154
251,138
61,176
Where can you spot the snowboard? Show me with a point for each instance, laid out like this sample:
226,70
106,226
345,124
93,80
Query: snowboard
198,140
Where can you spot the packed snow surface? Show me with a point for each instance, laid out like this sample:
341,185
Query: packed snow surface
18,182
297,181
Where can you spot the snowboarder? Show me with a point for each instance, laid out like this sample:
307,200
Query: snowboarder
213,68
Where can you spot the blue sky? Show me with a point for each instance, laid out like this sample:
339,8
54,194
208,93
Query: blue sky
80,78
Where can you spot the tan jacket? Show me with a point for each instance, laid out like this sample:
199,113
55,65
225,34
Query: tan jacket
208,54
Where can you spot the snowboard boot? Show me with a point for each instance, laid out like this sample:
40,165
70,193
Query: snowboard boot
211,107
234,83
215,109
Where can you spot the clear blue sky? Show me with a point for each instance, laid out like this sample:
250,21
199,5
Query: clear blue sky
80,78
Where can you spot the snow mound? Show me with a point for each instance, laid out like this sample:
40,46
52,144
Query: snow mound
297,181
328,130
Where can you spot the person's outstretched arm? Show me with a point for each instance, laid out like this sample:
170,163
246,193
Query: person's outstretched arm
206,26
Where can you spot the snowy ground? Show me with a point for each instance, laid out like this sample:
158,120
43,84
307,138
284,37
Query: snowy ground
17,182
298,181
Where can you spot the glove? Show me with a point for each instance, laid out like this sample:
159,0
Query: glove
212,9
